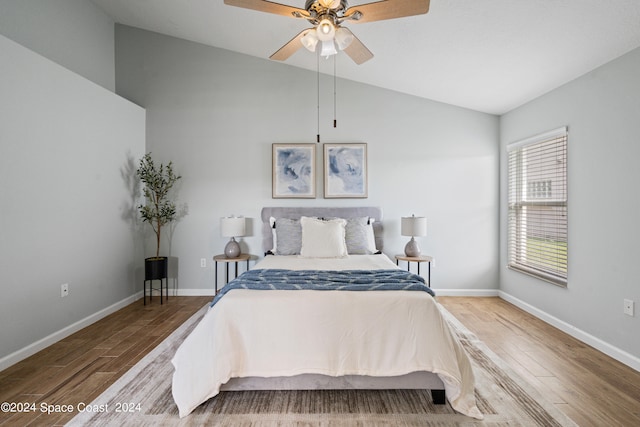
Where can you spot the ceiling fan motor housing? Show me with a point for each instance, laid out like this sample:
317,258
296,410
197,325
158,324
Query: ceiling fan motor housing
323,8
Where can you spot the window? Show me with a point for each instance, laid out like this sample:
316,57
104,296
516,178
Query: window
539,189
537,199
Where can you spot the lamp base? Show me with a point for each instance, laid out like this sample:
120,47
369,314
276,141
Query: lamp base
232,250
412,249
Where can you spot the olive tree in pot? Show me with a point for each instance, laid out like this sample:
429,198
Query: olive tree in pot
159,209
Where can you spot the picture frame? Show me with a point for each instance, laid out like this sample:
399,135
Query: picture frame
293,171
345,170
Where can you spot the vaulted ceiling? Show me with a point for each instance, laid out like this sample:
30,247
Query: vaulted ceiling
486,55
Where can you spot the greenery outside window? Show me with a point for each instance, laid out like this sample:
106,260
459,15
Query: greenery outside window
537,204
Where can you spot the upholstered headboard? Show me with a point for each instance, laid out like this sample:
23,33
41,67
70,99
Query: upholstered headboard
323,212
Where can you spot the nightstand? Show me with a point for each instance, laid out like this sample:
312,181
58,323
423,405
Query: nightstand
227,261
417,259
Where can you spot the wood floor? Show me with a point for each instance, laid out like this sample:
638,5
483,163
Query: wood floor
590,387
80,367
587,385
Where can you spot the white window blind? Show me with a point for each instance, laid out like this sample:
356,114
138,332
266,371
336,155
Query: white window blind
537,234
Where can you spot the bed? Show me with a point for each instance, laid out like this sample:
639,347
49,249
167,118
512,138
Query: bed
323,315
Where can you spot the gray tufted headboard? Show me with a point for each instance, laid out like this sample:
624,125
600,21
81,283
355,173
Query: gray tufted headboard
324,212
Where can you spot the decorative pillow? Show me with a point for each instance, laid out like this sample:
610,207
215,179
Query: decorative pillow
323,238
359,236
288,235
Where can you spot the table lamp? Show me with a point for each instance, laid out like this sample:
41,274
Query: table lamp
414,226
232,227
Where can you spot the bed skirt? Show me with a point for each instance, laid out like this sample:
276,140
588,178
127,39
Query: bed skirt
414,380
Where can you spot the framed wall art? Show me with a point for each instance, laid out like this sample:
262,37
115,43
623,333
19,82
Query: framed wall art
294,171
345,170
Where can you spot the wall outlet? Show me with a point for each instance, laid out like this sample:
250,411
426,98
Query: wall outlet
203,262
64,290
628,307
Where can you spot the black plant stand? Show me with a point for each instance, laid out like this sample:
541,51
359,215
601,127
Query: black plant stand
155,269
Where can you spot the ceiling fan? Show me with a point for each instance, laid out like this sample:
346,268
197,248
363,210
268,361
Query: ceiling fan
327,17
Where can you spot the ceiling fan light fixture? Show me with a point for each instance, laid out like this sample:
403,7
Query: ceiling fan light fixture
328,48
326,30
310,40
343,38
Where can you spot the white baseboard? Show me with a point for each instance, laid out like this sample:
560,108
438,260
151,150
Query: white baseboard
45,342
608,349
465,292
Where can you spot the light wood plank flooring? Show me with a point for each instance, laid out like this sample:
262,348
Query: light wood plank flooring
590,387
80,367
587,385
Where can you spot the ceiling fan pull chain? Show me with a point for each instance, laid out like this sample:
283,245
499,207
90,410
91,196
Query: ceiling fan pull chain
318,94
335,122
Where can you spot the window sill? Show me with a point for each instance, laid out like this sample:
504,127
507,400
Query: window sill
549,278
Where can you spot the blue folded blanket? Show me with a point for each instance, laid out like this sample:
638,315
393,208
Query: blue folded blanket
326,280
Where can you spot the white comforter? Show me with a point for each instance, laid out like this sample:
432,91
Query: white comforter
286,333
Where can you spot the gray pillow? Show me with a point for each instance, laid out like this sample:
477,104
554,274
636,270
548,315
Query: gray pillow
359,236
288,236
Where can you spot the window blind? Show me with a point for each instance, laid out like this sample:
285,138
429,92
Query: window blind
537,206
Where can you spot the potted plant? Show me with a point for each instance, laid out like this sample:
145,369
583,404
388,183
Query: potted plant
159,210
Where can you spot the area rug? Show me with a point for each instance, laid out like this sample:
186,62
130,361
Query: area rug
142,397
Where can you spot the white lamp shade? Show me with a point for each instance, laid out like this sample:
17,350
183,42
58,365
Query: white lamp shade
328,48
232,227
414,226
325,30
344,38
310,40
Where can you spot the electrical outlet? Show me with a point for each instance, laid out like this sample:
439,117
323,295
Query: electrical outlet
64,290
203,262
628,307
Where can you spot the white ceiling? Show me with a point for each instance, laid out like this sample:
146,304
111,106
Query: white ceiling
487,55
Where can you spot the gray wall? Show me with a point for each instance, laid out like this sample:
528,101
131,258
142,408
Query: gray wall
602,111
73,33
65,208
215,114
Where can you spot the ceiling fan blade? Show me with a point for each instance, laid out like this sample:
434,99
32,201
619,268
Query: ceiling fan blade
357,50
267,6
388,9
290,48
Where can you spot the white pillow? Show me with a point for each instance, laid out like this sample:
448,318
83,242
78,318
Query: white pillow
323,238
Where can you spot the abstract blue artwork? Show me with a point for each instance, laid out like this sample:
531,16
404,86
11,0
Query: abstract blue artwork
345,170
294,171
